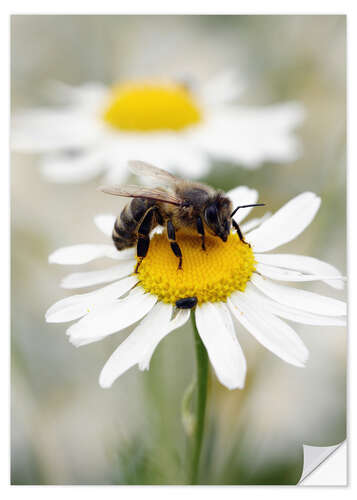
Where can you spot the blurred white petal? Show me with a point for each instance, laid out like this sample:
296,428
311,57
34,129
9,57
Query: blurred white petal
251,136
145,336
286,224
105,223
300,299
242,195
216,330
47,130
116,172
89,96
168,150
76,167
270,331
221,88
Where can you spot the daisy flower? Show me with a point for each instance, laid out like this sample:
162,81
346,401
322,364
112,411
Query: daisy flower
236,286
163,122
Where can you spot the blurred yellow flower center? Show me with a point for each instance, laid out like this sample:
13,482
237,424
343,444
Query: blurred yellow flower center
211,275
149,107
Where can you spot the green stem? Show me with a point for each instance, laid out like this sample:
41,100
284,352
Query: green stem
202,374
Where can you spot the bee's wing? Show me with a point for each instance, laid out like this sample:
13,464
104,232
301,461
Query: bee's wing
141,192
145,169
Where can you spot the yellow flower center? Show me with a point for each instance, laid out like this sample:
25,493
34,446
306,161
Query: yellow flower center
151,107
211,275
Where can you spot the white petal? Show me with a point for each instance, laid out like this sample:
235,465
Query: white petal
44,130
77,306
82,280
81,254
304,264
249,136
279,274
253,223
116,171
286,224
290,313
216,330
179,320
269,330
105,223
112,317
90,95
195,164
222,88
171,151
242,195
300,299
144,337
80,167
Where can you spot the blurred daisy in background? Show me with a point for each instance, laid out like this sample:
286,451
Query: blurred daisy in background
179,126
235,285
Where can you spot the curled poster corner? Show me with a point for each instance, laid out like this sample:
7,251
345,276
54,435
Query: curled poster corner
314,456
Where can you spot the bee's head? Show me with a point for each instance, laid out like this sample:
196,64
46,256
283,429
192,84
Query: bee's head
217,216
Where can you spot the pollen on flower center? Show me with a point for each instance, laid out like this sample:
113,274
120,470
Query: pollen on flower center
149,107
211,275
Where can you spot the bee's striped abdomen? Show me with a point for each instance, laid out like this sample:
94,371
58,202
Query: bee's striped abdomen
126,226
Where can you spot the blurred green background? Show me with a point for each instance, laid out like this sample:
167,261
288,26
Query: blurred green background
65,428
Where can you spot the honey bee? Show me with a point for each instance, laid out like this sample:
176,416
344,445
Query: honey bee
182,204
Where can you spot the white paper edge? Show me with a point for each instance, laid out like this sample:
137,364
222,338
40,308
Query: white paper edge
318,471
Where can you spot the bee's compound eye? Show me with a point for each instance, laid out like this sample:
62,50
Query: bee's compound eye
211,214
186,303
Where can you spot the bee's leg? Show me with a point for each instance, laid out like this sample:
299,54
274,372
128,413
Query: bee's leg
201,231
186,303
237,228
143,237
174,245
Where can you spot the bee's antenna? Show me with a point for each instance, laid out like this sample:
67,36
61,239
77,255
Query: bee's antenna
247,206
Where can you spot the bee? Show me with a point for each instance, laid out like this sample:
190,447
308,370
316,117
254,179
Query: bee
181,204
